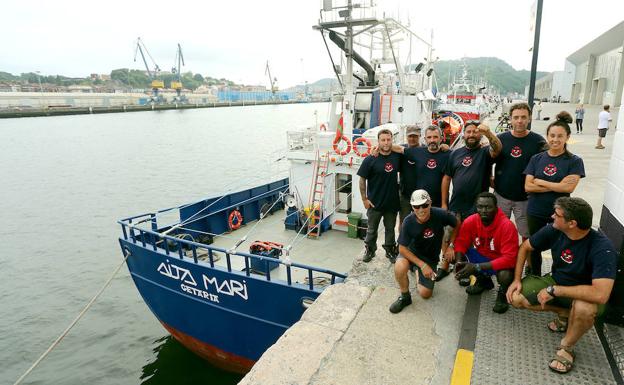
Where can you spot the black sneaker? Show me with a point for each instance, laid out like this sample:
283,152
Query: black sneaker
483,283
441,274
391,253
368,255
501,305
403,301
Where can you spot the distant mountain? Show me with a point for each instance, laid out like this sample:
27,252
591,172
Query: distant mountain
496,72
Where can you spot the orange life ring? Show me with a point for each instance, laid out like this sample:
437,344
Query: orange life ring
346,150
323,127
359,141
239,220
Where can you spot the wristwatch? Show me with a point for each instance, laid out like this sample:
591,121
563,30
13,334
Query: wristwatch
551,291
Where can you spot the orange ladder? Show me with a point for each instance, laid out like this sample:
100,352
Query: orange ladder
317,191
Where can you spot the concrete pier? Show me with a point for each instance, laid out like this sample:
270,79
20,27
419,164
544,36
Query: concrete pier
348,336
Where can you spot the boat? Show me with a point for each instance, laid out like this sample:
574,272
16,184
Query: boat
227,275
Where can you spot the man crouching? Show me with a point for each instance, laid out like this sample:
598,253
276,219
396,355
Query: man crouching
583,273
420,242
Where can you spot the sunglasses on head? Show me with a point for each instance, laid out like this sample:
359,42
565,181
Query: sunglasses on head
423,206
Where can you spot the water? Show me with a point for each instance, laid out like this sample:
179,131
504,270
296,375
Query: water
64,183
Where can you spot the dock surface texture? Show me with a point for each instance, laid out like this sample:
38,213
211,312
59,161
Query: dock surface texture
348,336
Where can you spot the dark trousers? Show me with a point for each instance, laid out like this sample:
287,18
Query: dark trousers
535,224
579,125
406,209
374,218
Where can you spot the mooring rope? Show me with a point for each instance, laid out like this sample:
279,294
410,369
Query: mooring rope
72,324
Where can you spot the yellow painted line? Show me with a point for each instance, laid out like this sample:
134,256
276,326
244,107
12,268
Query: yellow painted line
462,371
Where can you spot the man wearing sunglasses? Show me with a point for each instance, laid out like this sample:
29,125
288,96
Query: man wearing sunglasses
487,244
420,242
469,169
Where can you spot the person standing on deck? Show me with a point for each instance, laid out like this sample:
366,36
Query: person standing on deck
583,274
379,189
604,117
407,174
420,242
518,147
550,175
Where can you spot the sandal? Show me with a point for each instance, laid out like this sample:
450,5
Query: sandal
558,358
558,325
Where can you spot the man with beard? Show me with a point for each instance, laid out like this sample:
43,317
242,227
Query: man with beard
488,240
519,145
419,247
408,171
379,189
469,169
583,274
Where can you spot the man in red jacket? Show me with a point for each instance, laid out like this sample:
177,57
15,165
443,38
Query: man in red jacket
488,240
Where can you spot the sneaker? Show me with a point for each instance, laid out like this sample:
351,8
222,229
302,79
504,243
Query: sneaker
368,255
600,147
441,274
391,253
501,305
403,301
483,283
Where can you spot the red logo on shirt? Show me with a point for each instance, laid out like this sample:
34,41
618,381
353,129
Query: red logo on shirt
388,167
567,256
477,242
467,161
428,233
516,152
550,170
431,163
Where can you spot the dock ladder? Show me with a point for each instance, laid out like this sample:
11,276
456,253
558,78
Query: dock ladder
317,192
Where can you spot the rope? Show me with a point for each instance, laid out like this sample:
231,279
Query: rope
73,323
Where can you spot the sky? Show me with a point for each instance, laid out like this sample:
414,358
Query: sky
234,39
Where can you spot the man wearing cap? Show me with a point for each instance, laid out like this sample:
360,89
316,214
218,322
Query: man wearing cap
420,242
469,169
408,171
487,244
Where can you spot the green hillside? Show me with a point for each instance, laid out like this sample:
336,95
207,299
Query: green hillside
495,71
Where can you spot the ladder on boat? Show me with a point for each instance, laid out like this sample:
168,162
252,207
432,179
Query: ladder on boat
385,109
317,192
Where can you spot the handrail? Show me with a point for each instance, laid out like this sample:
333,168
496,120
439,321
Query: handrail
129,235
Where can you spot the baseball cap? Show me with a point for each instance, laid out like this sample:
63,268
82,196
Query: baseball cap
419,197
412,130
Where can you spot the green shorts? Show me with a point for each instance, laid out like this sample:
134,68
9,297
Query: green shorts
533,284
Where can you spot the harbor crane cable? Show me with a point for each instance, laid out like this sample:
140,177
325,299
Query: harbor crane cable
74,322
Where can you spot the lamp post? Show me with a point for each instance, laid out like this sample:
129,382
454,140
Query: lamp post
40,88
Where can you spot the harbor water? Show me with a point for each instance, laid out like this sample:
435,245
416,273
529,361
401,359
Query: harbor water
65,181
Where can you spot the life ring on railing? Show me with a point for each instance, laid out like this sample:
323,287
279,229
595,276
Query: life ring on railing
235,214
323,127
359,141
346,150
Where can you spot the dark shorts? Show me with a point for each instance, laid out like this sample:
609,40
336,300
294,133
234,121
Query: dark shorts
533,284
422,280
474,256
602,132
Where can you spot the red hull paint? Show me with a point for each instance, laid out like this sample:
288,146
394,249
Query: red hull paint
217,357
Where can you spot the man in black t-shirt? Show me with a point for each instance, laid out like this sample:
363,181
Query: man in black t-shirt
583,273
469,169
519,145
420,242
379,189
407,174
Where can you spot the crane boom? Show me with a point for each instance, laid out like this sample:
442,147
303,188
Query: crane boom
271,79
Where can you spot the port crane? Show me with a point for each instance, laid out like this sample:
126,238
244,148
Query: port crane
177,71
272,80
156,84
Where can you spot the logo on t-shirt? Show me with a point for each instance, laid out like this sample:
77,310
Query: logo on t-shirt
388,167
428,233
431,163
567,256
467,161
477,241
550,170
516,152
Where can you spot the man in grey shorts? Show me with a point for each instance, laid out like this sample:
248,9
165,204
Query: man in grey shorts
420,242
519,145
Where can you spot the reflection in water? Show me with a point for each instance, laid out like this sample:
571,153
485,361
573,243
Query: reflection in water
174,364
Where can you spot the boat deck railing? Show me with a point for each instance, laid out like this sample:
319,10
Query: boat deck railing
181,248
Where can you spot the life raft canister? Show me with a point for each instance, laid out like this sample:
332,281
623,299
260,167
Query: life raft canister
362,140
235,215
339,139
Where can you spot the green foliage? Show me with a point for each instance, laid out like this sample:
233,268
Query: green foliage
496,72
